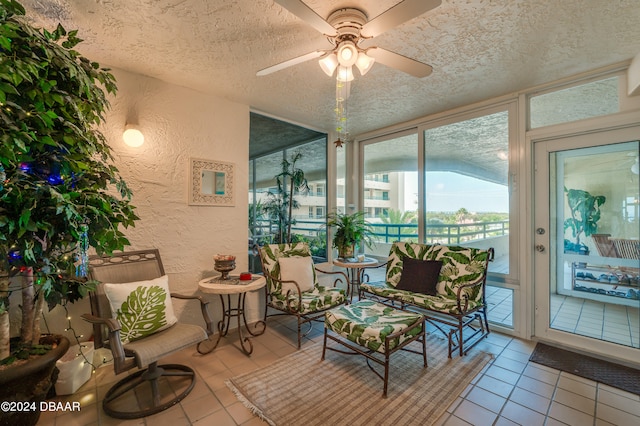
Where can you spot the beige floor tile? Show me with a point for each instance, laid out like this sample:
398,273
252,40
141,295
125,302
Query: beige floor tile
216,381
454,405
486,399
199,408
600,422
522,415
553,422
219,418
516,355
503,374
174,416
502,421
619,401
531,400
540,388
239,412
573,400
474,414
617,391
496,386
209,366
455,421
569,415
541,373
225,396
573,378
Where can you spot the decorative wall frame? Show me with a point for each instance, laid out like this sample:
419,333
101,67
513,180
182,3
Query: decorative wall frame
211,183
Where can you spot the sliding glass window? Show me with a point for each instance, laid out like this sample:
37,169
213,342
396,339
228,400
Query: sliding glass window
466,193
390,190
309,212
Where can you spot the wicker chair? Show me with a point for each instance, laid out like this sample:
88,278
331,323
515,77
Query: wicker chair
144,386
604,245
626,248
622,248
306,301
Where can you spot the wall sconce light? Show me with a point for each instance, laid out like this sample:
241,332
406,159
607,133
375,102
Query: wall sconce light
132,136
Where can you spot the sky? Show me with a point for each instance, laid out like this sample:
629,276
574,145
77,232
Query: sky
447,191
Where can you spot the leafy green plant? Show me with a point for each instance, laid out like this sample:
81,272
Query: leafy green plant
317,244
585,214
59,188
349,230
279,205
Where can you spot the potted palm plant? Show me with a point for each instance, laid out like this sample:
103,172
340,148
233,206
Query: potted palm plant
59,191
350,229
279,205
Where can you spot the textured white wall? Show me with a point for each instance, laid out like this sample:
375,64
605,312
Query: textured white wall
179,123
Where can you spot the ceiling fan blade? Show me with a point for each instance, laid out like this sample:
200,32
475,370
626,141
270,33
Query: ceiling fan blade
401,12
291,62
402,63
304,12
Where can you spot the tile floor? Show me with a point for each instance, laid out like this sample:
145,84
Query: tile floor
610,322
509,391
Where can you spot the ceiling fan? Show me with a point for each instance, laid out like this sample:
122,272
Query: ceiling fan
346,29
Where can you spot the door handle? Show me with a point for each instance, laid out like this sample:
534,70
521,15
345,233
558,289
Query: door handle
540,248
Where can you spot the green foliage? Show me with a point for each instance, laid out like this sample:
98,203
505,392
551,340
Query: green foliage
317,245
57,170
350,229
397,216
279,205
22,350
585,212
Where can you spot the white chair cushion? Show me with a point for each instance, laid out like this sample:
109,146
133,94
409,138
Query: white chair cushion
142,307
298,269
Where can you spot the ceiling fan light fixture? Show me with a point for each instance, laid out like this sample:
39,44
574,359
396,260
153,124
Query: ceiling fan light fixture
329,64
347,53
345,74
364,63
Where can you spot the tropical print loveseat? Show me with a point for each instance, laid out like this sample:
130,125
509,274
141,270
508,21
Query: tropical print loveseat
458,308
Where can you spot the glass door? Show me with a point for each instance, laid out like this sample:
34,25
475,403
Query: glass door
587,242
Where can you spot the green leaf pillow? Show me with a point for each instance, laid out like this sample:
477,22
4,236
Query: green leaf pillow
142,308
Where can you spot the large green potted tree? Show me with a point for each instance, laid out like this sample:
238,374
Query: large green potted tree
350,229
59,190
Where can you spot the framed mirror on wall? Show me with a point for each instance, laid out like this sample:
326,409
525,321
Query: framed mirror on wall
211,183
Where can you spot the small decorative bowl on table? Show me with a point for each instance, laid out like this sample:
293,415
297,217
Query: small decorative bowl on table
224,264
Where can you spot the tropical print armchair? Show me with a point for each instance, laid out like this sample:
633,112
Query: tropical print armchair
296,290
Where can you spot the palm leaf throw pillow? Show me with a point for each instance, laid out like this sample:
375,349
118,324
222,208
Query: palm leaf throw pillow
142,308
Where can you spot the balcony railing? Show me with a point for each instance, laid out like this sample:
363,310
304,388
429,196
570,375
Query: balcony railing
390,232
440,233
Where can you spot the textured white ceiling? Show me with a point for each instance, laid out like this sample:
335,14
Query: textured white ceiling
479,49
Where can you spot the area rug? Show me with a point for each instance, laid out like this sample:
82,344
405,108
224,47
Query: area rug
300,389
618,376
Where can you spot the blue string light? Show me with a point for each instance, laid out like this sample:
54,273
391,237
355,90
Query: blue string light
82,269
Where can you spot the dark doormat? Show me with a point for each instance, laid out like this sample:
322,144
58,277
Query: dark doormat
618,376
